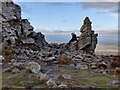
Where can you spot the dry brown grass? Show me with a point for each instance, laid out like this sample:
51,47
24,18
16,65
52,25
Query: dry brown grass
114,64
7,53
63,59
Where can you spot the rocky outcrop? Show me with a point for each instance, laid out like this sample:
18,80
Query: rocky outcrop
88,40
16,29
49,63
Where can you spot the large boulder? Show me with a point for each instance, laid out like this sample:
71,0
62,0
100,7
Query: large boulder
33,67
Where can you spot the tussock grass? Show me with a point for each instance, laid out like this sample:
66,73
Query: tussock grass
63,59
8,53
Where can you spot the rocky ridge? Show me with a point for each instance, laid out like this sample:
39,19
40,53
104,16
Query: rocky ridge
24,49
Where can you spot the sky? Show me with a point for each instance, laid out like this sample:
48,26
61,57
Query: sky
57,19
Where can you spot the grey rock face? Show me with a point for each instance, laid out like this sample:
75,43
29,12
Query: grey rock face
88,39
11,16
14,28
73,46
11,13
39,39
27,28
28,41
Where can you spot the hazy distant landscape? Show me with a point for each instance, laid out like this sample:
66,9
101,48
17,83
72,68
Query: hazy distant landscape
107,44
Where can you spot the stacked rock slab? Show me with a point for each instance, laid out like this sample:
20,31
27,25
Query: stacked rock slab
11,18
88,39
14,28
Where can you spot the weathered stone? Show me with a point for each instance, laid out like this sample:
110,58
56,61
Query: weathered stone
62,85
13,12
1,58
51,82
39,38
28,41
42,76
49,59
88,40
23,56
93,65
34,67
66,76
27,28
115,82
15,70
72,65
79,56
80,66
73,46
15,29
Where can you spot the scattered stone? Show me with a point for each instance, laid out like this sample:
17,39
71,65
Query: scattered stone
22,56
55,62
66,76
79,57
62,85
80,66
34,67
115,82
104,73
42,76
72,65
93,65
15,70
28,41
49,59
51,82
1,58
1,63
13,60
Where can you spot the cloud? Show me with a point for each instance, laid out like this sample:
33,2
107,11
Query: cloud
108,32
66,0
55,31
98,5
111,8
114,12
62,3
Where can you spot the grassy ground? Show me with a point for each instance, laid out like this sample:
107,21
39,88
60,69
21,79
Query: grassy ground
90,78
79,78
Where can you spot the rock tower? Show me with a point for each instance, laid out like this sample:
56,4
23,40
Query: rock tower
88,39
